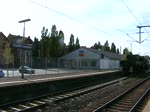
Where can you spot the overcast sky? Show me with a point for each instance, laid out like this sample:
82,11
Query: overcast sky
89,20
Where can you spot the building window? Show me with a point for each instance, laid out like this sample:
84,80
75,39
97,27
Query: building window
84,63
93,63
76,63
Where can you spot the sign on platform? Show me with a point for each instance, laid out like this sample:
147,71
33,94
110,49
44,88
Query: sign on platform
17,46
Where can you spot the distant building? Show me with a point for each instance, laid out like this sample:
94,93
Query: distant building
87,58
21,44
3,42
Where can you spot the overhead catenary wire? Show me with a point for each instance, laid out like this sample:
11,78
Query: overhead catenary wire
70,17
132,41
93,27
136,19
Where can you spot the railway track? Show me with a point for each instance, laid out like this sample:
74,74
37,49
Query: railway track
45,101
127,101
42,101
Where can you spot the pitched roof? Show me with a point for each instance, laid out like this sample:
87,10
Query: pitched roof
106,53
2,35
17,39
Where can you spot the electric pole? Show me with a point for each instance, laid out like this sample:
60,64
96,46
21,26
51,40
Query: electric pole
141,32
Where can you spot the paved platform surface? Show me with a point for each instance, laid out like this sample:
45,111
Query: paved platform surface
147,107
17,80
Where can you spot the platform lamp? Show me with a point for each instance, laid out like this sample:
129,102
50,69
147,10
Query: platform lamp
22,58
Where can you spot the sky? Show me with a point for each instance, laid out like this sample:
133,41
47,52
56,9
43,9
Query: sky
89,20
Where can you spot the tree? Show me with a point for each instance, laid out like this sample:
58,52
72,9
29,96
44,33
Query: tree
71,46
54,32
126,53
113,48
44,32
36,47
106,46
44,43
77,45
8,56
61,44
98,45
118,50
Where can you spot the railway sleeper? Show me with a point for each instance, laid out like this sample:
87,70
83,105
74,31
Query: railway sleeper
117,109
122,105
125,102
23,106
32,104
12,109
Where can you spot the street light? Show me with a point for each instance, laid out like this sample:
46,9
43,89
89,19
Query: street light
23,21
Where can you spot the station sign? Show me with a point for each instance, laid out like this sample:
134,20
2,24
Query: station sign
18,46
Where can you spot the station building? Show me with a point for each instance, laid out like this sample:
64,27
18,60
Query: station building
88,58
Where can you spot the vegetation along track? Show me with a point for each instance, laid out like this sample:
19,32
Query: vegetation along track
126,102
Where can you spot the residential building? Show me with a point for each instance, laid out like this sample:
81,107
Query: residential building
22,47
88,58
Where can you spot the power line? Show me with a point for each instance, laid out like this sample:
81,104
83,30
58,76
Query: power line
131,11
69,17
137,20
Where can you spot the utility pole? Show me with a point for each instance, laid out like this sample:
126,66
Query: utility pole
141,32
23,21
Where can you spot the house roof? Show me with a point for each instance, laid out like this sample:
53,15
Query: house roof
2,35
17,39
106,53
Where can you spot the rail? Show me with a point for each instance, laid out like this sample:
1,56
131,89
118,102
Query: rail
101,108
139,101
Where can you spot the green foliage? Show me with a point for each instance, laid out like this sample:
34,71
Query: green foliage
36,47
126,53
71,46
50,45
97,45
8,56
106,46
113,48
77,45
117,50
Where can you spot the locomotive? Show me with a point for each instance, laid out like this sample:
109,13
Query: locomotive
134,64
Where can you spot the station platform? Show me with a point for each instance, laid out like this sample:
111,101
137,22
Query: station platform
147,107
17,80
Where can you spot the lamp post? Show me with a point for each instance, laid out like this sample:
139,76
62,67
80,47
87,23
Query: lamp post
22,58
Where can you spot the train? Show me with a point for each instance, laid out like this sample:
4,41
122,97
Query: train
134,64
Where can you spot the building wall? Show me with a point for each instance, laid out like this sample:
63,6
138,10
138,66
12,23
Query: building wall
109,64
80,59
86,59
